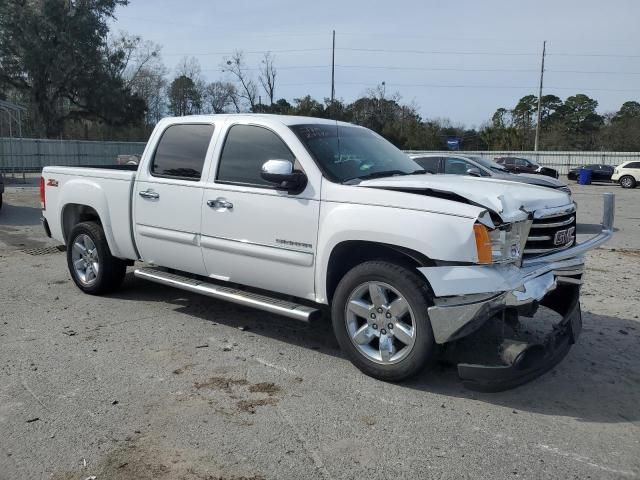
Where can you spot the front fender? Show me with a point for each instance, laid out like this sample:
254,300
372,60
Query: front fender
437,236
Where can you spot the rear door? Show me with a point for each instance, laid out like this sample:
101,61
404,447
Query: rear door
167,198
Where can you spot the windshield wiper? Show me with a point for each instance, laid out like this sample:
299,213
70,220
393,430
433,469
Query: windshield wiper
384,173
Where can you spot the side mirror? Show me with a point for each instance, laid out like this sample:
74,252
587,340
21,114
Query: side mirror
474,172
281,173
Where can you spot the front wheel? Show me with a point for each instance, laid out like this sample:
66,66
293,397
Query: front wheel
380,319
628,182
93,269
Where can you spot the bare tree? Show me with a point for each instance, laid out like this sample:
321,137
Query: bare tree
220,95
189,67
193,87
267,77
237,68
137,55
143,71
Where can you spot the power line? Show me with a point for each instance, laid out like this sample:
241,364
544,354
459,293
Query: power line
617,55
433,85
432,52
444,52
414,52
437,69
202,54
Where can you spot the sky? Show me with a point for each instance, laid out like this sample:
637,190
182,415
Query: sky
456,59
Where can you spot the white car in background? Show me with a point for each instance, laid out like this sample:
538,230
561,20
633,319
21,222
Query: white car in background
627,174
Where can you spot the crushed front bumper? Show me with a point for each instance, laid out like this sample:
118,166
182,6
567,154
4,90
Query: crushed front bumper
467,296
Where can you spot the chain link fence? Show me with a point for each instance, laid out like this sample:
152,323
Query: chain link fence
25,155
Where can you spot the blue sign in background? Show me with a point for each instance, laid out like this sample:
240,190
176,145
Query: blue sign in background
453,143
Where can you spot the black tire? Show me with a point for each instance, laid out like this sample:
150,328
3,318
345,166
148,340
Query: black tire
111,270
415,291
627,182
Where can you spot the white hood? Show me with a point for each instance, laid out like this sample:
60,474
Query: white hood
509,199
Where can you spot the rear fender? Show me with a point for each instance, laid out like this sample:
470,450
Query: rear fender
88,193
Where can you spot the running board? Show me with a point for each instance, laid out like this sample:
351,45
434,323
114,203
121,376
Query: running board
248,299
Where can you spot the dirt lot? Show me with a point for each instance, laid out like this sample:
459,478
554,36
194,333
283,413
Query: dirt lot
153,383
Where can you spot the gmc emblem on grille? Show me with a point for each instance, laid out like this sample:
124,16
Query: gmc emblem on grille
564,237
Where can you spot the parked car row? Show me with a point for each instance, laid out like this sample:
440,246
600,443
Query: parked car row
524,165
478,166
525,170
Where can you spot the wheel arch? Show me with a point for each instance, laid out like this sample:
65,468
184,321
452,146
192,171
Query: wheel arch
74,213
349,253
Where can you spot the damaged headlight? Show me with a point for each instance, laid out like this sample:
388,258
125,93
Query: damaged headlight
501,244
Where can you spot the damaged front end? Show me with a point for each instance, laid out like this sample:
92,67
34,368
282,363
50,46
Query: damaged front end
467,296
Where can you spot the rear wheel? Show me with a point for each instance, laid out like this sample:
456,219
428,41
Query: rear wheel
628,182
379,315
93,269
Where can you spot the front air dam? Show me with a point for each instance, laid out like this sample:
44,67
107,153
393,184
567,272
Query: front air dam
527,362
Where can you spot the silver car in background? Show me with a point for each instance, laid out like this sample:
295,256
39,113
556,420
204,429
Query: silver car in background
475,165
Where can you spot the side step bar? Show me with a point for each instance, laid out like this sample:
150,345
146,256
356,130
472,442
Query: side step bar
248,299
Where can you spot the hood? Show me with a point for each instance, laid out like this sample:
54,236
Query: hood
531,179
511,200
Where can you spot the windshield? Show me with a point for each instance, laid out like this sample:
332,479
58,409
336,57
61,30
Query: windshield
485,162
353,153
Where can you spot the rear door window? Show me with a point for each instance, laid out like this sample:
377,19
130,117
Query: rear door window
633,165
181,151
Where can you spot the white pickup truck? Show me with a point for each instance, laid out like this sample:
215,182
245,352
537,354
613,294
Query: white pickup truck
294,214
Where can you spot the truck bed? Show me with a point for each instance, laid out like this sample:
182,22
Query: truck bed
107,190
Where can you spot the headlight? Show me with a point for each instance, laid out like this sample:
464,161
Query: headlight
502,244
566,190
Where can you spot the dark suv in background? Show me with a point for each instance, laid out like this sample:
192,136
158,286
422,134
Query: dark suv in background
599,172
524,165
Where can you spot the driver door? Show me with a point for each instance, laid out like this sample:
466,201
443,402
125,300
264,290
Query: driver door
252,233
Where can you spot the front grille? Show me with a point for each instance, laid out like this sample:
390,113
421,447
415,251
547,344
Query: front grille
551,233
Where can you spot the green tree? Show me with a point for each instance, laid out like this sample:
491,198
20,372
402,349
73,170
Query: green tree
628,110
54,53
184,97
579,114
549,104
308,107
524,110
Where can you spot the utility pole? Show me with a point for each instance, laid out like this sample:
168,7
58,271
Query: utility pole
535,144
333,69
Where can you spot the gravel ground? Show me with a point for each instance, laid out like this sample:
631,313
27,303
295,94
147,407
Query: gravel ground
154,383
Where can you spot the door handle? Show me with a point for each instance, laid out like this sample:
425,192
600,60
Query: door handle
148,194
220,204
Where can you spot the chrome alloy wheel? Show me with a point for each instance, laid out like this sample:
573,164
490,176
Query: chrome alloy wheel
626,182
380,323
84,256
